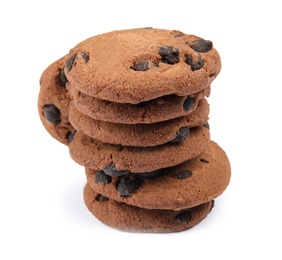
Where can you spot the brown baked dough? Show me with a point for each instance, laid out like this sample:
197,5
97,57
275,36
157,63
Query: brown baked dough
97,155
140,134
186,185
133,219
53,102
136,65
148,112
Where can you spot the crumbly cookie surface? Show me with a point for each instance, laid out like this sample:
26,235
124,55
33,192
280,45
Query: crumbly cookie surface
136,65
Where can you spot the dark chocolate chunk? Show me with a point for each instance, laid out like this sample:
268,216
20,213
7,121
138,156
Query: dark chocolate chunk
100,176
52,114
201,45
188,103
63,78
70,136
101,198
85,56
204,160
194,66
183,217
180,34
127,185
169,54
112,171
207,125
143,66
70,63
182,134
182,175
150,175
177,34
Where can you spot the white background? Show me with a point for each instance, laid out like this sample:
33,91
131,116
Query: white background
43,215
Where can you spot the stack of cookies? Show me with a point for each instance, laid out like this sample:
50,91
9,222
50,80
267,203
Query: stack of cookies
132,107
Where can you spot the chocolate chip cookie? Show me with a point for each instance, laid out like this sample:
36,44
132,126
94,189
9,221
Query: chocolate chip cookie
53,102
125,217
151,111
137,65
94,154
173,130
186,185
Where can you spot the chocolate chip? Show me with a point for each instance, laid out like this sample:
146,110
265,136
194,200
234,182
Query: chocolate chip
169,54
70,63
150,175
204,160
126,185
196,65
207,125
101,198
177,34
63,78
112,171
52,114
100,176
143,66
182,175
180,34
201,45
182,134
182,217
70,136
85,56
188,103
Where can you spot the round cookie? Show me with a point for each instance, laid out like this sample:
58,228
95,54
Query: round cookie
94,154
189,184
133,219
136,65
140,134
152,111
53,102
